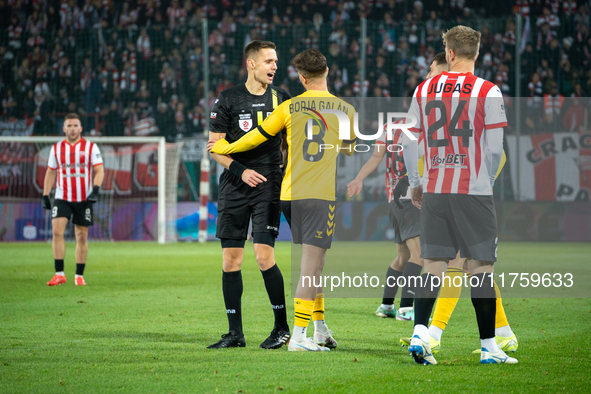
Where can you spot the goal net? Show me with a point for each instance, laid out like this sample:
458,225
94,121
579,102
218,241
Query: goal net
137,200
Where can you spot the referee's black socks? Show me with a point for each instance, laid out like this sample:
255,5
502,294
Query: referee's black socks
275,289
232,288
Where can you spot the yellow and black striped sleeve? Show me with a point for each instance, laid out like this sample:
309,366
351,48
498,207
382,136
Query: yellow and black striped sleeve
268,129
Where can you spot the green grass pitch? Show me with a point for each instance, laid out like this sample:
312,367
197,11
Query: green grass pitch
148,312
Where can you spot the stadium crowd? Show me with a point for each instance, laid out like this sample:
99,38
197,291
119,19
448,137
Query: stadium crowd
136,67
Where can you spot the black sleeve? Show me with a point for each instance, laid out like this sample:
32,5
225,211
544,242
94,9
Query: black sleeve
219,118
285,96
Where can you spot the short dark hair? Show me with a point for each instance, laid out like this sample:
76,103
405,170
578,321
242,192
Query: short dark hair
311,63
73,115
255,46
440,59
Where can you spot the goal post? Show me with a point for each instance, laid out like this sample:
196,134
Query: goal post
133,154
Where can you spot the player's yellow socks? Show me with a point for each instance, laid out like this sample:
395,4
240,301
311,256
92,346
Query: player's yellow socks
303,311
318,313
500,318
448,297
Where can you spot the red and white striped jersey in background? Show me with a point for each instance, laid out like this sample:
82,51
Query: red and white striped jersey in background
395,168
74,165
454,110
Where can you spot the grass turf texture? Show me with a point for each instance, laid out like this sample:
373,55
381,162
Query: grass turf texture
148,312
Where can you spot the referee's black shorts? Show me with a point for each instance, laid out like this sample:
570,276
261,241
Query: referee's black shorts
452,222
311,221
238,203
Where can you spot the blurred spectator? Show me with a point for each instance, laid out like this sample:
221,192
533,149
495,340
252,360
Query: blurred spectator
164,120
37,22
146,13
71,16
24,75
15,32
143,45
197,119
127,17
433,26
36,58
574,117
29,106
85,75
545,37
43,121
143,102
130,117
547,125
227,27
35,39
528,61
64,73
145,125
114,122
9,105
549,18
553,101
56,49
578,91
181,127
174,13
484,68
128,82
53,17
62,102
340,38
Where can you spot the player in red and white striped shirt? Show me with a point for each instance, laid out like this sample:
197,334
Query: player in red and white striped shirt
72,161
462,118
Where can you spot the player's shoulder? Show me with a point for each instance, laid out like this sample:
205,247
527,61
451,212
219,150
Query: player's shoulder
229,93
59,143
282,94
342,105
419,89
347,104
488,88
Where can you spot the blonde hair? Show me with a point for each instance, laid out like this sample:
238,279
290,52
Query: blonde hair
464,41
